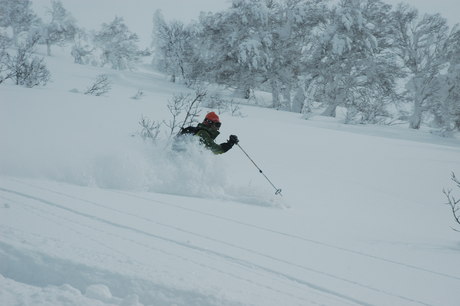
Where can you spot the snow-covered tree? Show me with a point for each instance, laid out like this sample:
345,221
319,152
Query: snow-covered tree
17,15
61,27
420,45
5,43
237,40
82,49
292,27
174,53
446,108
117,44
24,67
350,64
380,72
447,111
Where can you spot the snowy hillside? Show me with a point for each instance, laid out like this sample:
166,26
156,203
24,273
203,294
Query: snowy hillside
90,214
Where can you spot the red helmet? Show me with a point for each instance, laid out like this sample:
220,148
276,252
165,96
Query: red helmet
212,116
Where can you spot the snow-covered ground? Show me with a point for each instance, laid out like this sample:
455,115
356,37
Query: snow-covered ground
90,214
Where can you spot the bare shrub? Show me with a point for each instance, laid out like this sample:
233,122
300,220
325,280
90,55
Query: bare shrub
5,72
100,86
184,103
150,129
139,94
23,67
34,73
453,203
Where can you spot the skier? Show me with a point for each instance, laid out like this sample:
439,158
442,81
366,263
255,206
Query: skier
208,131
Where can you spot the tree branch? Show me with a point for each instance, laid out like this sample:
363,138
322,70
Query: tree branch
453,203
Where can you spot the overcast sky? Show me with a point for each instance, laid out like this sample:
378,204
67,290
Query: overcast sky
449,9
137,14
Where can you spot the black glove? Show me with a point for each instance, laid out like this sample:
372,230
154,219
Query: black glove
233,139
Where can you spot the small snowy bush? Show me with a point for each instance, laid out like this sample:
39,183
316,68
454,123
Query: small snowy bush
23,67
100,86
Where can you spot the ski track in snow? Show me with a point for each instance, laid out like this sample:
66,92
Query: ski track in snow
248,265
296,237
243,263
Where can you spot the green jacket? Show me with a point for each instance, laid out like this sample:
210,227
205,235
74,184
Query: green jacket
207,137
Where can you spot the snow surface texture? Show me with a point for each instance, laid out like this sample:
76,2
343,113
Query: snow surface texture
92,215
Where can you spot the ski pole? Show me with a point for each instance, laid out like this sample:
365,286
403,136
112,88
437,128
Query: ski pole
278,190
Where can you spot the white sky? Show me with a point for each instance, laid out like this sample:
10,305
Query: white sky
449,9
137,14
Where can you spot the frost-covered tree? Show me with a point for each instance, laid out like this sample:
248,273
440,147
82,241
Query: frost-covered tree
237,40
447,111
174,52
350,65
17,15
293,24
452,101
24,67
420,45
82,49
117,44
257,44
446,108
378,72
5,43
61,27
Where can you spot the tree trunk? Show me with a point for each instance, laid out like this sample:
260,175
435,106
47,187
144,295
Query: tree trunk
457,123
331,109
48,48
243,91
298,101
286,93
276,103
416,118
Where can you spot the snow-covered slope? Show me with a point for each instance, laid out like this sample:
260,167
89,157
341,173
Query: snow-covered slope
92,215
